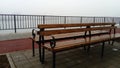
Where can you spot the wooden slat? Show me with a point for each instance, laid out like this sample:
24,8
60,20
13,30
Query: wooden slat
68,35
73,43
61,31
72,25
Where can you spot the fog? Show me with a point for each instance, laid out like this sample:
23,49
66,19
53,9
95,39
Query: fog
61,7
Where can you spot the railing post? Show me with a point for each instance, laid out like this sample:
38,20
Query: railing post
43,19
15,23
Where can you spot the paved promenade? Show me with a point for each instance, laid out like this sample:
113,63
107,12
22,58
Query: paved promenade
11,36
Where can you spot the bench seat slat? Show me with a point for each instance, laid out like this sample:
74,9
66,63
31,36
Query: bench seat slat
73,43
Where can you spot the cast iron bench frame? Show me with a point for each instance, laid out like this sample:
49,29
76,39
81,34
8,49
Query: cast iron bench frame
88,28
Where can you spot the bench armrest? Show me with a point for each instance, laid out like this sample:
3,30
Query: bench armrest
34,33
52,42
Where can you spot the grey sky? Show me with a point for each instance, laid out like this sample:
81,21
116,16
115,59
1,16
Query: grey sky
61,7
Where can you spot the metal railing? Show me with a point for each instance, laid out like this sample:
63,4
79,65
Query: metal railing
15,21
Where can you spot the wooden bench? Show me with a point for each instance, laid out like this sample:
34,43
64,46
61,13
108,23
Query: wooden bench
85,37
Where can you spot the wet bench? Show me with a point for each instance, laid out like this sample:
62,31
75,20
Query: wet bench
85,33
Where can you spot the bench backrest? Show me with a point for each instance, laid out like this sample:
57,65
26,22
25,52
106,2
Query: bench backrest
88,27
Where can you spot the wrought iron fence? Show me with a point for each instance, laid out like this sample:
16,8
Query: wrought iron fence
15,21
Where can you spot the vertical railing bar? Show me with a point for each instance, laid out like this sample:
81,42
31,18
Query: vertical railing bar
5,22
59,19
6,25
104,19
93,19
40,19
18,23
28,21
2,22
15,23
113,20
53,20
25,22
37,21
9,22
22,17
65,20
21,22
81,19
33,21
26,18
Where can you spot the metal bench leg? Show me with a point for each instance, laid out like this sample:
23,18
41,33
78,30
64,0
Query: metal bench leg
88,49
33,48
43,55
112,42
84,47
54,60
102,50
39,52
109,42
